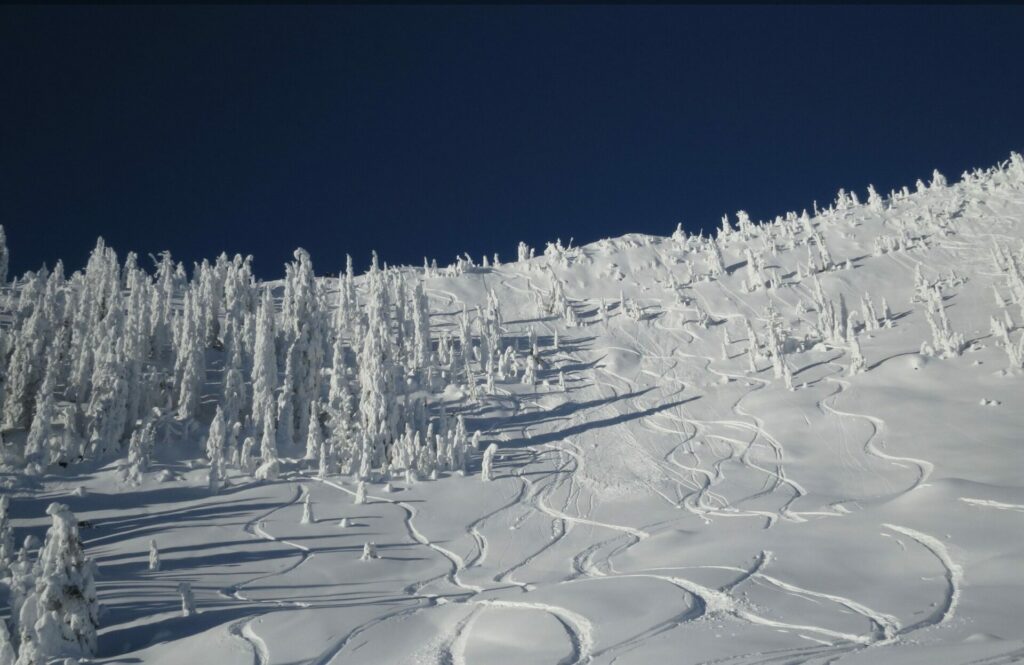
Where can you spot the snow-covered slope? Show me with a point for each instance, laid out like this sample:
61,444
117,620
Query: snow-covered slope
674,502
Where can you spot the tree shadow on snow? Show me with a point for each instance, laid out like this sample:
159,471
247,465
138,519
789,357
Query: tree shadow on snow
576,430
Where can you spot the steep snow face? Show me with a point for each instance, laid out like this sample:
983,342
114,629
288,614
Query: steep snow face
799,442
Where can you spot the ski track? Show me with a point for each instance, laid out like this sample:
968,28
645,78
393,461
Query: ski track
243,629
578,627
952,570
997,505
885,626
924,467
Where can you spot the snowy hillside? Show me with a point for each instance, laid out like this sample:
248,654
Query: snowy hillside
799,441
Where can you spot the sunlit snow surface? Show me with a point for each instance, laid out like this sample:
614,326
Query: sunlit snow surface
669,507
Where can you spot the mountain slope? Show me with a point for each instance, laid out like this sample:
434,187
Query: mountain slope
675,501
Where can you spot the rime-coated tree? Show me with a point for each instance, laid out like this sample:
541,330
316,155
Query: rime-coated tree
215,479
744,225
307,382
327,464
291,395
346,312
264,371
188,599
823,251
211,290
21,587
65,605
215,438
191,358
524,252
7,553
342,430
787,376
240,299
305,329
868,313
315,438
754,278
95,313
842,318
726,229
54,302
154,556
234,397
857,362
944,340
299,300
26,294
874,200
137,345
269,463
376,395
530,375
487,466
921,285
37,445
7,654
716,265
421,327
140,450
465,337
107,410
752,356
25,370
307,510
886,314
245,456
339,396
160,308
1000,330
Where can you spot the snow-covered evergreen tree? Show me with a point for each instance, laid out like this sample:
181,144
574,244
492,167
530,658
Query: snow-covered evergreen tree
107,410
7,553
269,463
37,445
188,599
307,510
234,402
25,368
7,654
264,371
487,466
315,439
215,440
375,379
421,327
64,605
191,358
140,451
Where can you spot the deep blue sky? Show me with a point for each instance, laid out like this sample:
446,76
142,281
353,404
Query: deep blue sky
432,131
